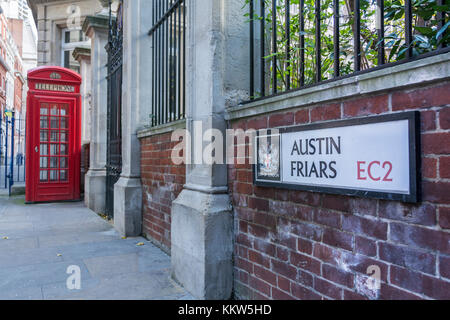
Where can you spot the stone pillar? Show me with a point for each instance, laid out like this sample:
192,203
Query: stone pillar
135,114
202,222
44,41
83,56
96,28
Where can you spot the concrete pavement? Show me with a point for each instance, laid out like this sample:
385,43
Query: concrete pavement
38,243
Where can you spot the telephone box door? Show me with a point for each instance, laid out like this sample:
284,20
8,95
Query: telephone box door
53,158
53,135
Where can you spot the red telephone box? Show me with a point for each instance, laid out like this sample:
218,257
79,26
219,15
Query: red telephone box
53,135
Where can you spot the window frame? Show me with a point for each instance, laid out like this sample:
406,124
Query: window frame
71,45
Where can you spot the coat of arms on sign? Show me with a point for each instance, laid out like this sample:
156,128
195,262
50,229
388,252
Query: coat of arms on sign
268,164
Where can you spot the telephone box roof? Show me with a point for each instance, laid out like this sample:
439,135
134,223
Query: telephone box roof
54,73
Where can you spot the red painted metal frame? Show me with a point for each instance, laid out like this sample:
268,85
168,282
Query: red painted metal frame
37,191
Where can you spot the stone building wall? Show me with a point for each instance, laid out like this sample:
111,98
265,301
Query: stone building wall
51,18
287,244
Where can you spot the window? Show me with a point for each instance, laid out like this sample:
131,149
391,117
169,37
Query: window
74,36
72,39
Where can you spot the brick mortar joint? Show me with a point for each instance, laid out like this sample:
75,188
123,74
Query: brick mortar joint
314,243
437,276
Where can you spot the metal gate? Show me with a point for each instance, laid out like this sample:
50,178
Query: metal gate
114,126
12,150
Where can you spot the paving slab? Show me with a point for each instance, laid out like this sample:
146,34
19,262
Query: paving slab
32,293
13,244
42,242
38,274
135,286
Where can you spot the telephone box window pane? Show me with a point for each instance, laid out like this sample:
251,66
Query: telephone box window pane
54,110
53,163
44,176
64,137
64,151
54,136
55,123
44,122
44,110
44,163
44,149
44,136
53,175
54,150
64,110
63,175
64,123
63,163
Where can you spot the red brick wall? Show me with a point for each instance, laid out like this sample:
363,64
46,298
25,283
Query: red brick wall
162,181
300,245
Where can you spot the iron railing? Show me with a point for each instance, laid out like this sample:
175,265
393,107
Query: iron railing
114,49
12,150
301,43
169,59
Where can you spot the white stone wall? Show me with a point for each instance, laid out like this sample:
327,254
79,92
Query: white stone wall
86,74
55,16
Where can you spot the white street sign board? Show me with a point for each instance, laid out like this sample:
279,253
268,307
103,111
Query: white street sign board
373,157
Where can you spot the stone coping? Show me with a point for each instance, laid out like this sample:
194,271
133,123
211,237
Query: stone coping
161,129
80,52
98,21
421,71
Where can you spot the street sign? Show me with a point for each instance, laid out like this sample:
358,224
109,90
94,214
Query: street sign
369,157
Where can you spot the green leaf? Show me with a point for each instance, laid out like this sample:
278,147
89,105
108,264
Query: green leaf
444,8
440,32
426,14
424,30
401,52
422,39
394,49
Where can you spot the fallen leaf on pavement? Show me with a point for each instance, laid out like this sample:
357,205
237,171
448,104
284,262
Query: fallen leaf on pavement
140,244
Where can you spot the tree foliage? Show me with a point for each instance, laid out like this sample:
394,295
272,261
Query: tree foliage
429,32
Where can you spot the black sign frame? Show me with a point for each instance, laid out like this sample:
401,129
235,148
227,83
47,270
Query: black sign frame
415,160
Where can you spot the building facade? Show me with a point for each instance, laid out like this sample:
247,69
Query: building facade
203,67
12,83
23,28
59,26
62,42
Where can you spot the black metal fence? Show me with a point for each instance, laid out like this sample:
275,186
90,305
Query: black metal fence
12,150
168,81
114,121
300,43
